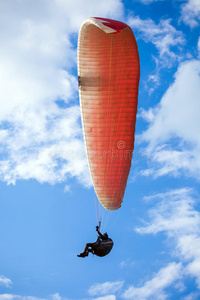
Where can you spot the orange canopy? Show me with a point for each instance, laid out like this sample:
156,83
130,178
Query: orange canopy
108,70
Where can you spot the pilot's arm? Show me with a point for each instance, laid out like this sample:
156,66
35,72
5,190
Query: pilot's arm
99,233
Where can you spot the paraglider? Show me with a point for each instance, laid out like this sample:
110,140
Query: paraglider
108,73
101,247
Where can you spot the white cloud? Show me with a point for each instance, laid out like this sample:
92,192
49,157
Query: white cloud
198,47
109,297
126,263
5,281
41,138
55,296
173,134
164,37
174,213
154,288
105,288
168,42
149,1
176,216
18,297
190,13
7,297
192,296
67,189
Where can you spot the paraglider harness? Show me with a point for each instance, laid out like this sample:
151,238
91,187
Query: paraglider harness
103,245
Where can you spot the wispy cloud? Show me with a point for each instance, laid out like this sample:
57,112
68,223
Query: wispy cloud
174,214
105,288
148,1
190,13
126,263
5,281
18,297
167,40
174,142
7,297
192,296
109,297
163,36
198,47
55,296
155,287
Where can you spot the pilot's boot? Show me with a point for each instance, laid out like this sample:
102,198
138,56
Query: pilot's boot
81,255
84,254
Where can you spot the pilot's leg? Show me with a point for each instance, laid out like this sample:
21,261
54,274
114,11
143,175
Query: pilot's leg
88,248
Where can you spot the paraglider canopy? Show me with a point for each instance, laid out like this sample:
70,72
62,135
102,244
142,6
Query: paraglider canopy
108,70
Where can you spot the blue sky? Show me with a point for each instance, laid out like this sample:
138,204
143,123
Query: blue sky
47,203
